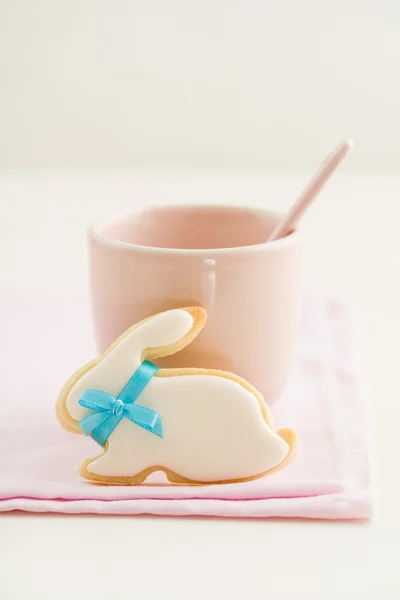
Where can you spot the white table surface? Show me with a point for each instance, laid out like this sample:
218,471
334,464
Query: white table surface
353,247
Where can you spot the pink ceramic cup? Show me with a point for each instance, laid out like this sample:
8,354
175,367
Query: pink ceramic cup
216,257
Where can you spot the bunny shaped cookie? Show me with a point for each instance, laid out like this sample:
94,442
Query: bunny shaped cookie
199,426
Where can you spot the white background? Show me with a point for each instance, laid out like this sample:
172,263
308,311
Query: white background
124,84
97,99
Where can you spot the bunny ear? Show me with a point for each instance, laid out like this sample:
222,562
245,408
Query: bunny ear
157,336
169,332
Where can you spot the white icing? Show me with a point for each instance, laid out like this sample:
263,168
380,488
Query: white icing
213,427
115,370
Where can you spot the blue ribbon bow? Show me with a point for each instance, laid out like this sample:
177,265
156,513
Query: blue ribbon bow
109,411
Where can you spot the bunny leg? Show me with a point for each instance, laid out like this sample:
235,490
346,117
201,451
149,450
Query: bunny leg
93,469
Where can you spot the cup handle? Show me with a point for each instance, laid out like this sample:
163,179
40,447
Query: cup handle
208,284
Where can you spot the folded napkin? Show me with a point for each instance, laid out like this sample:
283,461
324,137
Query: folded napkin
48,336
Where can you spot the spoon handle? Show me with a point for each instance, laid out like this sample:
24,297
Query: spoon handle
302,203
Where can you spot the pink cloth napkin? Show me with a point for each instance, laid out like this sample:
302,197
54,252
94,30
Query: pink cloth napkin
48,336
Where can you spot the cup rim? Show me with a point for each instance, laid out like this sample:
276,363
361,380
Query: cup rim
95,232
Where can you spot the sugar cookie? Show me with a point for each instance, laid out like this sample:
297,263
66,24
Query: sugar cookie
198,426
